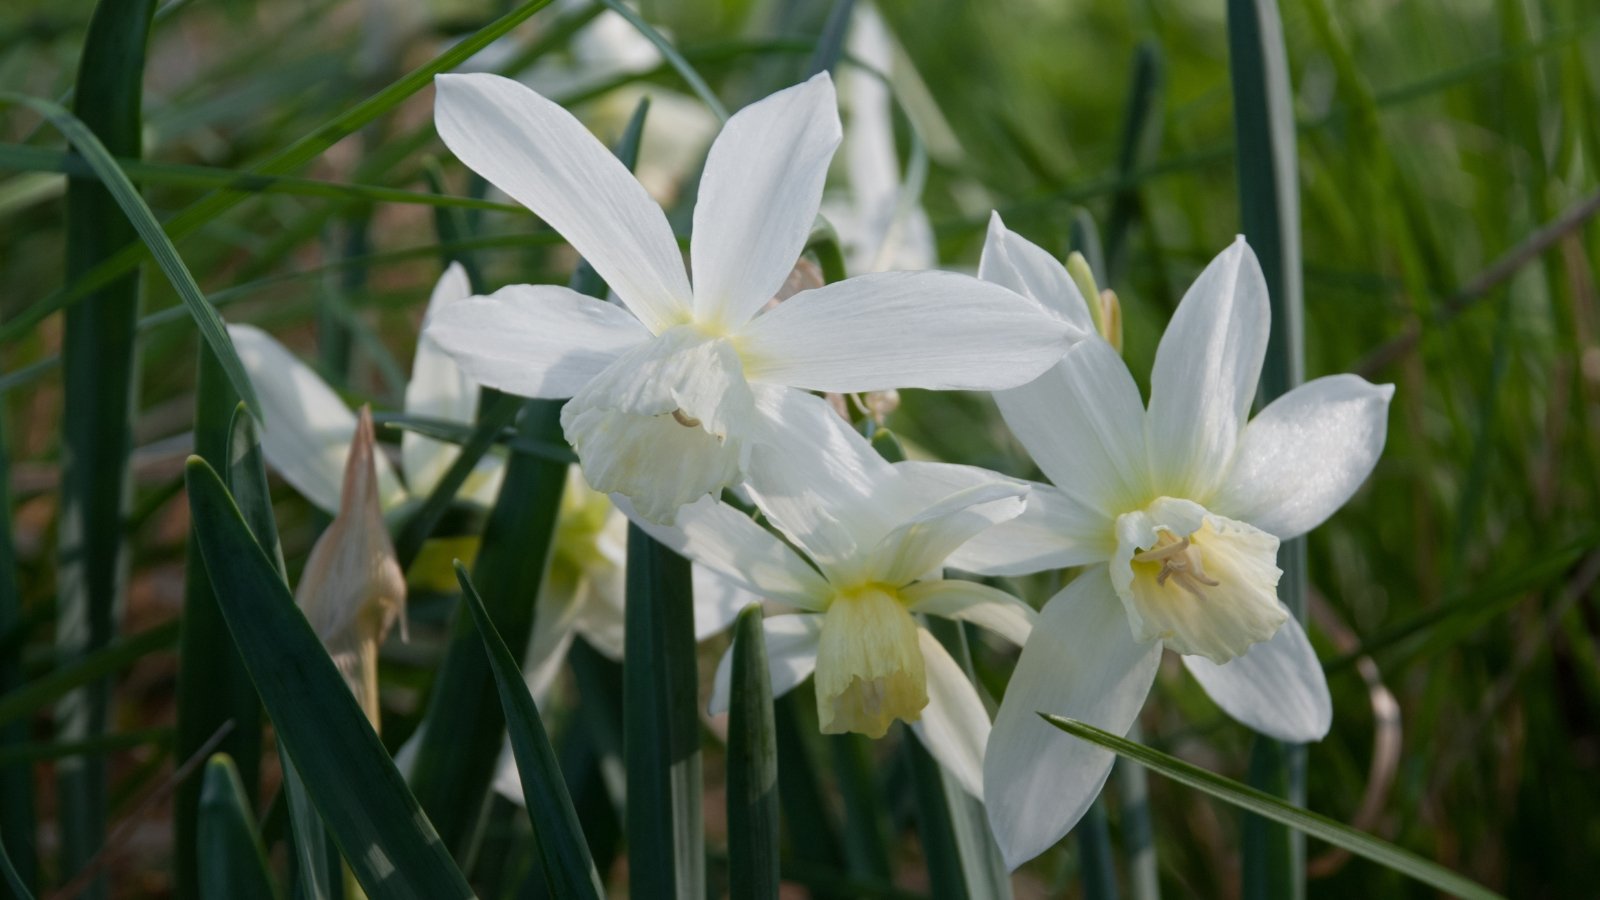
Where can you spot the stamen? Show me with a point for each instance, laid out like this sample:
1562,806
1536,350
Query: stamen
684,419
1181,563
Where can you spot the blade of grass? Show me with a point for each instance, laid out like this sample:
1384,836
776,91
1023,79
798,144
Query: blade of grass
559,839
232,863
98,393
391,846
83,670
830,43
1267,806
1269,212
297,153
213,686
661,723
670,53
752,766
1141,139
16,779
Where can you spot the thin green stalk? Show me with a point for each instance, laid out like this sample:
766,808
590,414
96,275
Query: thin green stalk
752,766
661,722
213,686
99,387
16,778
1269,203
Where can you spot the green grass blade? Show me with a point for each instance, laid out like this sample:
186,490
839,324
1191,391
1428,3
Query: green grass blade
99,387
1269,212
213,686
13,881
83,670
562,850
1141,139
233,863
24,158
752,766
830,43
673,57
464,726
661,724
1097,865
16,779
391,846
285,160
1267,806
413,533
143,220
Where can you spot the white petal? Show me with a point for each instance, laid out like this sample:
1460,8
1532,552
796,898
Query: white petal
438,389
874,332
954,726
1084,425
979,604
1013,261
534,340
1081,662
1205,374
791,657
1305,454
1053,532
307,432
759,197
1277,688
540,155
726,541
670,421
921,545
817,478
717,602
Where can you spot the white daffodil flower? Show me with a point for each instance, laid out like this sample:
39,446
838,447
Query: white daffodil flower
872,539
1177,509
667,388
877,231
307,438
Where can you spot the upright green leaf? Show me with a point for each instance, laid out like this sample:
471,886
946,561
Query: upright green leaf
213,686
752,766
1269,214
1141,139
16,778
389,843
661,724
564,855
233,863
830,43
98,387
1267,806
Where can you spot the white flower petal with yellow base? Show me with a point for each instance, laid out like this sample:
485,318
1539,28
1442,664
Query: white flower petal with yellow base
676,416
1179,511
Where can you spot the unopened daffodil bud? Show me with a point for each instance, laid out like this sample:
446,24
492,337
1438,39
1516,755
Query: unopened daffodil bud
1104,307
353,591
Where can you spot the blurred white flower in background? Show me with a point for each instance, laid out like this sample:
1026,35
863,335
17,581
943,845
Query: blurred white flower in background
667,389
1177,509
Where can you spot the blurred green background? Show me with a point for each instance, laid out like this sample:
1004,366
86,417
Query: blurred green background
1449,164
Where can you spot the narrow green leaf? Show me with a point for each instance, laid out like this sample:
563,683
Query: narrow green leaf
752,766
16,778
139,215
963,860
464,727
1269,215
111,658
1141,139
24,158
213,686
105,743
866,830
391,846
233,863
14,883
1097,866
830,43
670,53
1270,807
97,345
286,160
557,835
813,835
661,724
501,410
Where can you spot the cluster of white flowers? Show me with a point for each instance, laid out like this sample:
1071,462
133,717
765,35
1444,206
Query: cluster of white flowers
689,385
